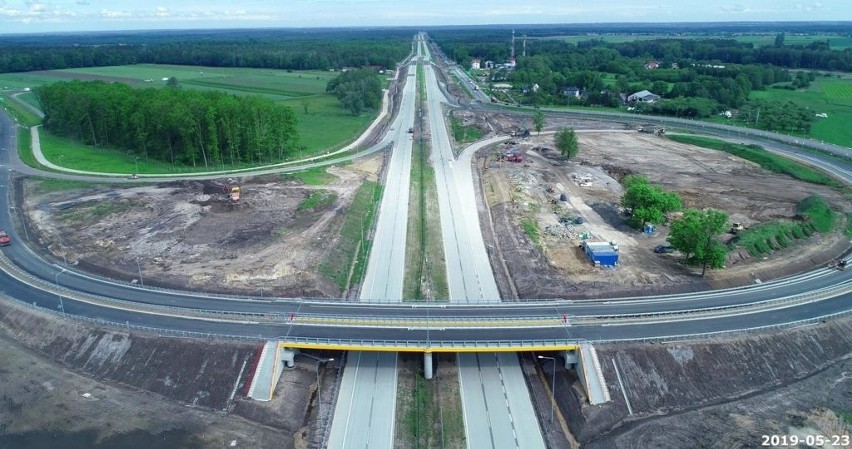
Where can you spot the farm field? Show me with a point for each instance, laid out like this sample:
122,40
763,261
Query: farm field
831,96
323,123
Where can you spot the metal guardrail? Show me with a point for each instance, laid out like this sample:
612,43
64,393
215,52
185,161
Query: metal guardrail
483,321
537,302
64,292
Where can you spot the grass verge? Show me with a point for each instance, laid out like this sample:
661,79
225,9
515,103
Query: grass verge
25,148
817,212
20,112
765,159
463,133
47,185
425,270
316,176
353,238
317,200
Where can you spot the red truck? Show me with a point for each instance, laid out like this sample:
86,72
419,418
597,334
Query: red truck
515,157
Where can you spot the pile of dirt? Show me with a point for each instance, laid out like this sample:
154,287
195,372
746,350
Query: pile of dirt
186,235
553,192
202,373
736,389
98,387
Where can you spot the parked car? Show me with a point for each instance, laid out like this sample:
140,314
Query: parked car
4,238
579,220
663,249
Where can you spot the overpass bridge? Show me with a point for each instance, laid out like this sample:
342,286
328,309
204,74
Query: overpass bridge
281,352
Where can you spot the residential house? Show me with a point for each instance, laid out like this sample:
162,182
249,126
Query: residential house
651,65
572,91
643,96
475,63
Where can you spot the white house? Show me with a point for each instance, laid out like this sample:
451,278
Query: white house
475,63
572,91
643,96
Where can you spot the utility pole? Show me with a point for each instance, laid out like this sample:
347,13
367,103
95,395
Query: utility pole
552,385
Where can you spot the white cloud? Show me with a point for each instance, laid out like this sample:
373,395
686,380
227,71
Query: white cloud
113,14
61,15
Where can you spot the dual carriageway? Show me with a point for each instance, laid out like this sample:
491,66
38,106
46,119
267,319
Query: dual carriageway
475,323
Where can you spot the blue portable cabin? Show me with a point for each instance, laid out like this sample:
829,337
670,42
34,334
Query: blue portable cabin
601,253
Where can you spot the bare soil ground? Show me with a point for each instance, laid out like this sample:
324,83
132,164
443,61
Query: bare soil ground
86,387
556,267
724,393
189,237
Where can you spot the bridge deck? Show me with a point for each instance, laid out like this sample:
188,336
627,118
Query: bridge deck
431,346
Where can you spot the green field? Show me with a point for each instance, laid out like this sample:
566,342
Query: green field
326,125
832,96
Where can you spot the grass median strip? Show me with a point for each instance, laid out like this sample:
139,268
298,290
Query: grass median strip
429,413
425,271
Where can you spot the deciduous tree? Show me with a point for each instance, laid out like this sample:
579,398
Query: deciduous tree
538,121
649,202
566,143
696,235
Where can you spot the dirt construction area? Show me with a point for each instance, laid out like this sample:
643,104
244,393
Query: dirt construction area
569,202
190,235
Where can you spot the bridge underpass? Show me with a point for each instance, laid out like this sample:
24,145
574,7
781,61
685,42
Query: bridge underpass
575,355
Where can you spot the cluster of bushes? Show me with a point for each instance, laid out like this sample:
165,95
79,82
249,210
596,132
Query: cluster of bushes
763,239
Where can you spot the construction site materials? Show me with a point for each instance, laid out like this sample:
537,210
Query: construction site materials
601,253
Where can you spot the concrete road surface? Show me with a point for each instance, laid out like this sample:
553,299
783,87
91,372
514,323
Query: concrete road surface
366,404
364,415
498,411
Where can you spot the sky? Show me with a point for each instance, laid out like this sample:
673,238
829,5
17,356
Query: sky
39,16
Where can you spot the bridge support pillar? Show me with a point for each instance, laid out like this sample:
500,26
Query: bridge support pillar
571,359
288,356
427,365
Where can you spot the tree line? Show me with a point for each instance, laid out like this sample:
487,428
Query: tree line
357,90
281,50
173,125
